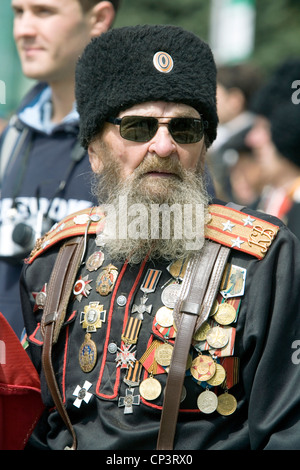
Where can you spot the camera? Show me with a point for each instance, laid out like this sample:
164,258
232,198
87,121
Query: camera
19,232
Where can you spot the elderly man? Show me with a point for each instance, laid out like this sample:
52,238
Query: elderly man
158,319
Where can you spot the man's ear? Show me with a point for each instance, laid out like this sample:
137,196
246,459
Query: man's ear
102,18
95,160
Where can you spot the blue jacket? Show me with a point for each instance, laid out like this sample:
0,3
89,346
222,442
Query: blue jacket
50,173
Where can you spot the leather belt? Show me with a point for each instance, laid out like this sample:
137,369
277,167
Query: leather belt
199,289
59,288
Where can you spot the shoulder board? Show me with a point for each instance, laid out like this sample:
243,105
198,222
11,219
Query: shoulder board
240,231
90,220
225,225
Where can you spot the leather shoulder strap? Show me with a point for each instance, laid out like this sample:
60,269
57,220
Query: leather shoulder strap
59,288
198,293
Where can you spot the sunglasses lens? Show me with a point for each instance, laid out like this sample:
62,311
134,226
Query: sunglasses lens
142,129
186,130
138,128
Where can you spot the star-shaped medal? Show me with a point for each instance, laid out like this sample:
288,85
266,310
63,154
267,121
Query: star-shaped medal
82,288
126,356
40,298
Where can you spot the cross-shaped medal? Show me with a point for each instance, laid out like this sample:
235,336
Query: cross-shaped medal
141,308
129,400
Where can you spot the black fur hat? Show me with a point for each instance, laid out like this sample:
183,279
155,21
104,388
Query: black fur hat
285,131
278,89
122,68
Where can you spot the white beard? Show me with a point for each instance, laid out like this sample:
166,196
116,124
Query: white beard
159,217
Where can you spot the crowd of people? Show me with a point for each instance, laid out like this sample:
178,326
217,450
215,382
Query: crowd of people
255,161
149,340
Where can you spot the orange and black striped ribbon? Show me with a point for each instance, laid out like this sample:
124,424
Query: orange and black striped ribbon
151,280
132,330
132,378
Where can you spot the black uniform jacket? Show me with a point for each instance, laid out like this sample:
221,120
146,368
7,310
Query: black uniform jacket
262,362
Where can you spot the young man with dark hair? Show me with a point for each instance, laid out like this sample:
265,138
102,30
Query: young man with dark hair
44,172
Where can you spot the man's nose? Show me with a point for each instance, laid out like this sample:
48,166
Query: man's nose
162,143
24,25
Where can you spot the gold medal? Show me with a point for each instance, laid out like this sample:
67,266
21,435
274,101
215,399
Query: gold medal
164,317
203,368
106,280
217,337
226,314
227,404
207,402
189,362
214,308
163,354
177,268
94,261
92,316
218,377
200,334
150,388
87,354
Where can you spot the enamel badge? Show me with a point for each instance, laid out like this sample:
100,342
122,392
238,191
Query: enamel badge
81,287
106,280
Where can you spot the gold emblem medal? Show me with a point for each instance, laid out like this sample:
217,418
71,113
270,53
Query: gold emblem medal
87,354
214,308
201,333
164,317
150,388
227,404
226,314
163,354
203,368
218,377
106,280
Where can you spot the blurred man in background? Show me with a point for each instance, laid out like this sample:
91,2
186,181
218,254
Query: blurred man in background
236,85
275,141
44,173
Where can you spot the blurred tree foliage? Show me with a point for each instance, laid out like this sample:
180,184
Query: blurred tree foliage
277,33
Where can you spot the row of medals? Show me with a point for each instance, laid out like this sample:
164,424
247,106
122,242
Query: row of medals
203,368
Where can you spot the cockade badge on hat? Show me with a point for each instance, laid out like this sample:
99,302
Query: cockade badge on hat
163,62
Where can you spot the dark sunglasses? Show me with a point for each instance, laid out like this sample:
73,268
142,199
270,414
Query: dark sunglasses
184,130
